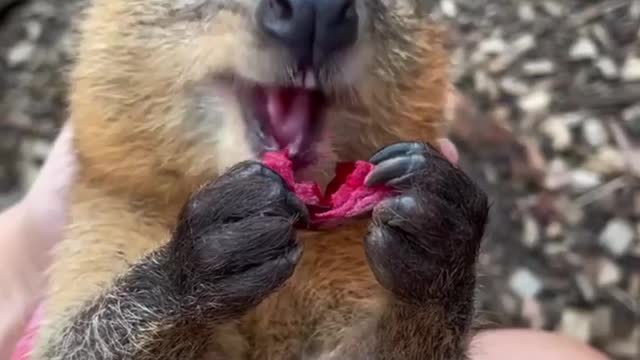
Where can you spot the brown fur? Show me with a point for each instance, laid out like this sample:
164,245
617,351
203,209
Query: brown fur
140,161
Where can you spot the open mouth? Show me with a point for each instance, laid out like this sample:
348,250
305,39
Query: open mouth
286,118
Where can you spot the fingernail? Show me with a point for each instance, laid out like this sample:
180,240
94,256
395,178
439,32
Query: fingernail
449,150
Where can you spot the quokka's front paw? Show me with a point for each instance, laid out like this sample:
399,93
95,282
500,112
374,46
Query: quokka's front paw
235,243
425,240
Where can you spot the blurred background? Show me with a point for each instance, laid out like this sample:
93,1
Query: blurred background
547,119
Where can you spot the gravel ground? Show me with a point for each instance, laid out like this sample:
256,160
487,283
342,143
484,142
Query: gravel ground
549,124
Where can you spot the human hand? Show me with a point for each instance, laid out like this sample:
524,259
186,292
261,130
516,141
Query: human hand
28,231
44,207
35,224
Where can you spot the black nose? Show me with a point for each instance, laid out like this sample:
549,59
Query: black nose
312,30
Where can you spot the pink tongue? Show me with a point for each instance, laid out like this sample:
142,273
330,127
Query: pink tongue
289,116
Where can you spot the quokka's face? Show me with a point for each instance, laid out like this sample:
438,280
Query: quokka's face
259,74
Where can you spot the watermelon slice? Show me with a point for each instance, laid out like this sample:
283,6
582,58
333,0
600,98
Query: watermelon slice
346,196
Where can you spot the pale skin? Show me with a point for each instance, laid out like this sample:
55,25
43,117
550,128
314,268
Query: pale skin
28,231
31,227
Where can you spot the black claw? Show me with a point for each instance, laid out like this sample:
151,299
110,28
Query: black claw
256,168
396,150
395,170
294,255
297,204
246,169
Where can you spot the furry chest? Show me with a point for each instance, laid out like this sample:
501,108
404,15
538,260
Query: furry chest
332,295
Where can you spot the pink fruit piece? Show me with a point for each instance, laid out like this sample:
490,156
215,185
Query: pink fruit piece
346,196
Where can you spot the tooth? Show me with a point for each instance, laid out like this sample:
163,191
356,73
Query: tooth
310,82
295,146
299,79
